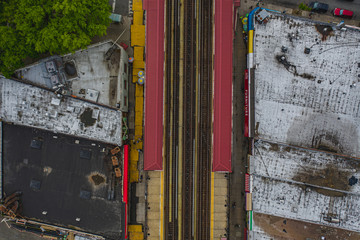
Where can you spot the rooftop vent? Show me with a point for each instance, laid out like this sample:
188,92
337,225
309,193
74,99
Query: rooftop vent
70,69
85,154
85,194
36,144
35,185
50,66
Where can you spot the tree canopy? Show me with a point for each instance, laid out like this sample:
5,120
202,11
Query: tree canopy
31,27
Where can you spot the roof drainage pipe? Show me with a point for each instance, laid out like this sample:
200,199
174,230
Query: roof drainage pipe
250,63
251,20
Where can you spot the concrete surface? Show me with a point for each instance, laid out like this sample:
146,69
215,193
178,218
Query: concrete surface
154,197
221,187
237,214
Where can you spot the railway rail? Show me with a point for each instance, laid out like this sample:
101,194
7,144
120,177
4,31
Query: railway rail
205,120
172,118
189,118
196,130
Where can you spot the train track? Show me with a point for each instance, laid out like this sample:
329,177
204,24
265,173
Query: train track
172,117
205,122
189,118
193,127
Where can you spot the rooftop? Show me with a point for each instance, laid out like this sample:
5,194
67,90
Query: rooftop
65,177
305,203
306,84
269,227
95,73
330,173
32,106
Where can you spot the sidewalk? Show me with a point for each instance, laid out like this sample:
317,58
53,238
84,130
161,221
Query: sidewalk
247,6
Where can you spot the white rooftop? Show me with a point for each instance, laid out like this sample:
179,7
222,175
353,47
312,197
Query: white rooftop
303,166
28,105
309,100
298,201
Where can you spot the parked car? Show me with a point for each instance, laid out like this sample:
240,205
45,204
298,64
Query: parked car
342,13
319,7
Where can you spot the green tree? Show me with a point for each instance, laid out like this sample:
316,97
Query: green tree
31,27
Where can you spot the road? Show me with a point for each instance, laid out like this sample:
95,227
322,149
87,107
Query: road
349,5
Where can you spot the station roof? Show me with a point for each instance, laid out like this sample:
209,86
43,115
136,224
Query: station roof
306,84
84,72
67,177
154,70
223,85
291,182
32,106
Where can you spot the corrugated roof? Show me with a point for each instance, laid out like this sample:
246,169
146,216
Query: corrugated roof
223,85
154,69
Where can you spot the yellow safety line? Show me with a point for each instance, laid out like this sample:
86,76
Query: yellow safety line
212,206
181,97
162,206
250,41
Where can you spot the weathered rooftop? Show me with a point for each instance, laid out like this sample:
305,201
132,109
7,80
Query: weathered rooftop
62,179
88,73
309,100
331,173
306,95
306,203
269,227
28,105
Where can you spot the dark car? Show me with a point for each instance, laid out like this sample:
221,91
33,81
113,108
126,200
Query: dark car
319,7
342,13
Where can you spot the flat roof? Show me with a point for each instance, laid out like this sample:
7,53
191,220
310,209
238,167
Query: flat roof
269,227
298,201
32,106
223,66
327,171
290,182
93,72
307,99
65,178
154,70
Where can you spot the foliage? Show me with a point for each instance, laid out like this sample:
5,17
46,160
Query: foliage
304,7
29,27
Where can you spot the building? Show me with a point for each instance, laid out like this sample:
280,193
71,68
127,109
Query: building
32,106
98,74
66,183
304,107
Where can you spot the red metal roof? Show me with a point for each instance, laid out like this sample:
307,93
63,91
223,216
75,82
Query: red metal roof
154,70
223,85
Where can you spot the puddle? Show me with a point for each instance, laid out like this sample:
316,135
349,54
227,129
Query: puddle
324,30
86,117
97,179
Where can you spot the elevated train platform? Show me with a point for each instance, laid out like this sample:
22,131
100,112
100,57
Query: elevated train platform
222,66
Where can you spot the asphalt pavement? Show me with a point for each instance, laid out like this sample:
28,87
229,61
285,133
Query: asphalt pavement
349,5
